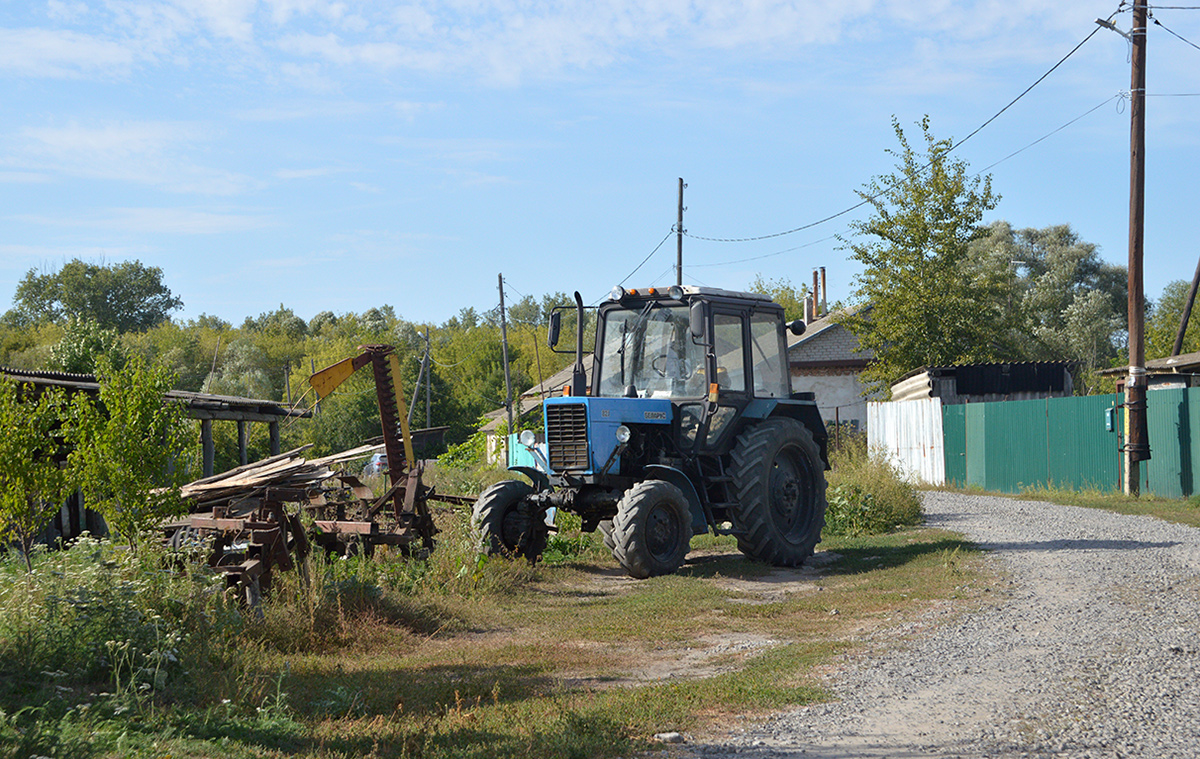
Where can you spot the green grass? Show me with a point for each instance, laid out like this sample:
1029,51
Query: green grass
454,657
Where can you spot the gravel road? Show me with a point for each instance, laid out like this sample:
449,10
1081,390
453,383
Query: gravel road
1094,653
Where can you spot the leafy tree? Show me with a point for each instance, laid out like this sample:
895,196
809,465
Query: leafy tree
133,448
280,321
783,292
928,310
127,297
240,373
1064,301
32,484
323,320
1162,324
186,350
81,346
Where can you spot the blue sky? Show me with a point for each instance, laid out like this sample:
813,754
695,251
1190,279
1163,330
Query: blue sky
339,155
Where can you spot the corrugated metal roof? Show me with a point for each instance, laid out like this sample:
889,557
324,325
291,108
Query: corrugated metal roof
200,401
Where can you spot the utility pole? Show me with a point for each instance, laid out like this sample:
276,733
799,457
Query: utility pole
1137,444
1187,312
679,238
428,383
422,374
508,399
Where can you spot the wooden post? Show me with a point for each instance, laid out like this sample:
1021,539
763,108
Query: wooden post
274,428
209,447
243,458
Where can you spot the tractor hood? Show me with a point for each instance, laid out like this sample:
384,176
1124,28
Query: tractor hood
569,419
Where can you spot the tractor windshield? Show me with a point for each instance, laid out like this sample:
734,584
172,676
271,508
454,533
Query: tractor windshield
649,353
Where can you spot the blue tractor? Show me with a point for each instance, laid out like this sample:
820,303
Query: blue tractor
688,424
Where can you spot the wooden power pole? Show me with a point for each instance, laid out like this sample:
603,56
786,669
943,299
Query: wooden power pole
679,238
508,398
1137,444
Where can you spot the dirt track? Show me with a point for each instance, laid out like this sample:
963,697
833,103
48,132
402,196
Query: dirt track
1096,653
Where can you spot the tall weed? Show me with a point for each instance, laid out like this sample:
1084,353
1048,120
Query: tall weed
98,616
867,495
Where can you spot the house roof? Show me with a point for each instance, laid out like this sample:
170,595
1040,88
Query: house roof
531,399
557,381
827,322
983,379
200,405
1185,363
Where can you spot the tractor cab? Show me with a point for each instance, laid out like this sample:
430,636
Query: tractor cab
711,355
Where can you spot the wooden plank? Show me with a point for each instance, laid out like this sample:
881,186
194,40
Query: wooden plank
252,465
346,527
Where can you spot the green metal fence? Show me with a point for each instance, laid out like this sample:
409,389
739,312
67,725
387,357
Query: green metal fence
1071,443
1173,417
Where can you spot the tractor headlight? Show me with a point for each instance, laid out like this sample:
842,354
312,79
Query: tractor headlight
617,293
527,438
623,434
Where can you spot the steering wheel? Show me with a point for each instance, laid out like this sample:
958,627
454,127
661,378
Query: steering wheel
662,371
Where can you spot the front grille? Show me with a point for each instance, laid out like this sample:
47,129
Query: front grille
566,437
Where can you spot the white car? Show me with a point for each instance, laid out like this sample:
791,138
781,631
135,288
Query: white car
377,464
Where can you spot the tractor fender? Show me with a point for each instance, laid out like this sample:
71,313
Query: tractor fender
680,480
541,482
803,411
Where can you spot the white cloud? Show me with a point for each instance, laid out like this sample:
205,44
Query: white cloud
24,177
60,53
174,221
58,10
503,41
308,173
229,19
182,221
409,110
150,153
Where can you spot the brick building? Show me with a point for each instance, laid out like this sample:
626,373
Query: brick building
826,360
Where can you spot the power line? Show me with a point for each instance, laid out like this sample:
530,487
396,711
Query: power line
767,255
647,258
952,148
1159,23
1051,134
1030,87
725,263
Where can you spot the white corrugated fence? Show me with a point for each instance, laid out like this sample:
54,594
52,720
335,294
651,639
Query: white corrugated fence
910,435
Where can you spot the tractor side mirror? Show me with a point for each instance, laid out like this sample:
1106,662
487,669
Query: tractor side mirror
555,328
696,323
796,328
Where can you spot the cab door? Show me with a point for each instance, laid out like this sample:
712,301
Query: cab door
729,343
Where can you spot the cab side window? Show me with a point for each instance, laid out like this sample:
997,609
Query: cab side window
772,378
728,346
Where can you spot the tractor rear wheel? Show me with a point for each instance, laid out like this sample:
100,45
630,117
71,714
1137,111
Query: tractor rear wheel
652,530
780,483
503,521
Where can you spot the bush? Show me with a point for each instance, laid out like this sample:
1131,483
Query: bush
867,495
98,615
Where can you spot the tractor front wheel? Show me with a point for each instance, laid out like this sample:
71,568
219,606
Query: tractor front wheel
780,482
505,523
652,530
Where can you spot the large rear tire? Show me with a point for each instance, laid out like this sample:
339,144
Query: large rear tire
502,520
780,482
652,530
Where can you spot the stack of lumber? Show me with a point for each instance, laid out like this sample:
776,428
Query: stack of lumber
286,471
